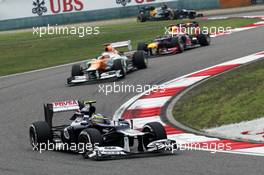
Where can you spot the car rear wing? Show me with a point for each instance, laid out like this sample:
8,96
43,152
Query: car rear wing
121,44
62,106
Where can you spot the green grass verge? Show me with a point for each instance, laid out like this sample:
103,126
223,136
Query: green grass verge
231,97
24,51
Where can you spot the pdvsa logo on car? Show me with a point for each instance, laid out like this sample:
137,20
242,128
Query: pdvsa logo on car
41,7
65,103
65,106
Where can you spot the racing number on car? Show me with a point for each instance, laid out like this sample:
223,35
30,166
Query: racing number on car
142,1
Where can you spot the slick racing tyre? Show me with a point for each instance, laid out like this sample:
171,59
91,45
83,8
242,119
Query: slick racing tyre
204,40
177,14
140,60
142,47
118,65
90,138
192,15
141,18
200,15
178,42
154,131
39,133
171,15
76,70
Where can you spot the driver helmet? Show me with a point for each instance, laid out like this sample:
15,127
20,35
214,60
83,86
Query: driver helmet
88,110
176,30
97,118
109,48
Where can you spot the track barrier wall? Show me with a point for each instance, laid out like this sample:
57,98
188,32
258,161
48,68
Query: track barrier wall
13,19
234,3
18,14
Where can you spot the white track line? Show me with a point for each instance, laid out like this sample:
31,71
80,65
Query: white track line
40,70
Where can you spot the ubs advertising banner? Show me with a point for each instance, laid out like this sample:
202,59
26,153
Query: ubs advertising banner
12,9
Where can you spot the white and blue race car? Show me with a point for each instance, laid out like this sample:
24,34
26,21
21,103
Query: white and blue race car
100,137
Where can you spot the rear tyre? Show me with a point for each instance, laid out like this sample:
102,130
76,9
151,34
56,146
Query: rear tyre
119,66
142,18
142,47
140,60
177,14
76,70
155,131
171,15
90,138
204,40
39,134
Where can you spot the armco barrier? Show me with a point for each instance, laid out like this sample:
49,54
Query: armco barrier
199,4
234,3
95,15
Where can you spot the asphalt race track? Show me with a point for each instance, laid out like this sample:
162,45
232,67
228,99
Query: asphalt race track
22,96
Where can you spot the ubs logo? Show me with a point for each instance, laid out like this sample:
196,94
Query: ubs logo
39,7
123,2
56,6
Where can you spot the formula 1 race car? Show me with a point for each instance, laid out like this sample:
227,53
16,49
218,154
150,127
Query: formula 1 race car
184,13
165,13
99,137
109,64
177,40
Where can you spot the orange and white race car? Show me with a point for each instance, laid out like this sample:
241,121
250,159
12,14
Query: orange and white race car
110,64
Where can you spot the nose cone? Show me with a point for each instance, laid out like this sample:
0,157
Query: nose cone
153,46
98,65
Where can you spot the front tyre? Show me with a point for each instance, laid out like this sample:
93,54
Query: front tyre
178,42
76,70
204,40
90,138
192,15
118,66
153,131
200,15
140,60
